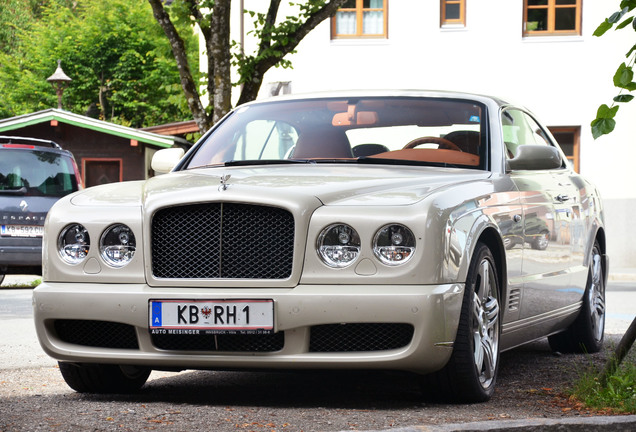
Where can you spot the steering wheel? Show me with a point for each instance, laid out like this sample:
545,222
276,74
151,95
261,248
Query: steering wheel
442,142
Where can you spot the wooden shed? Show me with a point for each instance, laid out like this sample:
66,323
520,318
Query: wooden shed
105,152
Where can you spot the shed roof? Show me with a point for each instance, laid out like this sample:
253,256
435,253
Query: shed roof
67,117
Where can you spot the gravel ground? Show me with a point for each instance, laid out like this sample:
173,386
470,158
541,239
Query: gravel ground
532,385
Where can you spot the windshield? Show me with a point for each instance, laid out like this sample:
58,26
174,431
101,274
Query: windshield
382,130
36,173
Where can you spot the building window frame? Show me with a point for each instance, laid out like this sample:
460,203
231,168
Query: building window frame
359,10
454,22
552,8
87,161
575,133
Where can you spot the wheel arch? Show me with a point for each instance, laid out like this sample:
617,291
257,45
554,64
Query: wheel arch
602,243
491,238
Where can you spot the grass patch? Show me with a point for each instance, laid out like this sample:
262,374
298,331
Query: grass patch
618,396
31,284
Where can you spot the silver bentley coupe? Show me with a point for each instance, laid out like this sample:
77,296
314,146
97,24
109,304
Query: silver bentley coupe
423,232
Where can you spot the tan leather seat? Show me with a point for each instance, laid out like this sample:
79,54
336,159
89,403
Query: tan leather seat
322,143
467,141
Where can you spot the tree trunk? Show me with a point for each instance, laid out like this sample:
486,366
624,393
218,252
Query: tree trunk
178,50
626,343
220,46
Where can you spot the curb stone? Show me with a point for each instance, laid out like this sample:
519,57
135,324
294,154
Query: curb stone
625,423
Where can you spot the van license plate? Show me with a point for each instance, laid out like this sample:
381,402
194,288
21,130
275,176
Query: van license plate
21,230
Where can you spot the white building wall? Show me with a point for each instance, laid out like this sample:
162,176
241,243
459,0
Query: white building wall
561,79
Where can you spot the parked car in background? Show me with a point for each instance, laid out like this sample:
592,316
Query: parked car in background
336,231
34,174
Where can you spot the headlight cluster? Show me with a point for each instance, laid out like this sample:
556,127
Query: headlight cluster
117,244
339,245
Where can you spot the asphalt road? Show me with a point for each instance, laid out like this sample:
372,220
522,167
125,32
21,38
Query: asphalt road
33,396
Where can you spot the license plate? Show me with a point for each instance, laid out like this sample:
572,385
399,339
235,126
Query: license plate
21,231
211,316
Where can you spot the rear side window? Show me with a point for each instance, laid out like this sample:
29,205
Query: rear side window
37,173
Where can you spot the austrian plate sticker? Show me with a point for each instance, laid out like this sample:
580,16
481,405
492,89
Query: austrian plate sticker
211,316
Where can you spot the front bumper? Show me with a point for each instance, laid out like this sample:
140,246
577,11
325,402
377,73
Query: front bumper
18,258
432,311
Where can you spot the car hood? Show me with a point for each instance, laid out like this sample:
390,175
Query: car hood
331,184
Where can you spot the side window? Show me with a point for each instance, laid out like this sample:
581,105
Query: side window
521,129
360,19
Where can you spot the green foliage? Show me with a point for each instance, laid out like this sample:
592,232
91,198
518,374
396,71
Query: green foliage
26,284
604,122
118,58
619,395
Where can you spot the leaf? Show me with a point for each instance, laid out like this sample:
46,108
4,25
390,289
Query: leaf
616,16
631,50
603,28
625,23
628,4
623,98
605,112
623,76
602,126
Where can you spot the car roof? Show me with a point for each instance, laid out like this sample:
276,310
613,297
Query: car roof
29,141
383,93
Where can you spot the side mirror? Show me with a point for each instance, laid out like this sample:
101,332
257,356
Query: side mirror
535,157
165,160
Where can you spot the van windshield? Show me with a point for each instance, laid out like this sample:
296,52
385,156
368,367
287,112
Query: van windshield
36,173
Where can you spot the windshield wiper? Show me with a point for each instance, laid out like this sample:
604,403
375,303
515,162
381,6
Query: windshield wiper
267,162
21,191
383,161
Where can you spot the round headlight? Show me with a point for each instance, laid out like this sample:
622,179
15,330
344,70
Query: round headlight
74,243
117,245
394,244
338,245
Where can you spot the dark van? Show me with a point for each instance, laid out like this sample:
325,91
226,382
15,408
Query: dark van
34,174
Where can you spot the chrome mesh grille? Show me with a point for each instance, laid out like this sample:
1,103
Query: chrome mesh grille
360,337
227,342
222,240
102,334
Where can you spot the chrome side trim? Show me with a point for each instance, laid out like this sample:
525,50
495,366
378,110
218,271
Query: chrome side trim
542,318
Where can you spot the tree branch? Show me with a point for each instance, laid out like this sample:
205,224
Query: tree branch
264,63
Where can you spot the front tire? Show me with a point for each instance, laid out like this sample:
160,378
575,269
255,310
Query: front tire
471,372
586,334
103,378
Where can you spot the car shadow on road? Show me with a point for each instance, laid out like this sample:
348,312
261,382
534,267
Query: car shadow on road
529,370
